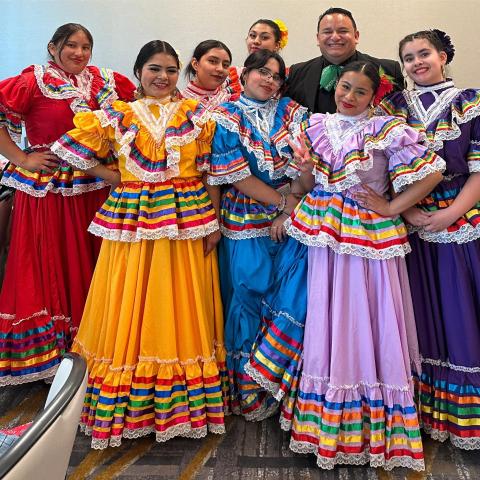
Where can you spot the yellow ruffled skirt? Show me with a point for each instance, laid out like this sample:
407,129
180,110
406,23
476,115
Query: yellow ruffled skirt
152,334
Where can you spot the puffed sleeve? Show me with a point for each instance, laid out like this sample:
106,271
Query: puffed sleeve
204,146
473,155
16,96
89,143
124,87
227,164
408,160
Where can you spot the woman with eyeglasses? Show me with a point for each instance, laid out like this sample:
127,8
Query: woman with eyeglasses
250,156
152,329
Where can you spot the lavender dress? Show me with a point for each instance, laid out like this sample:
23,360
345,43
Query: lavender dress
355,402
444,267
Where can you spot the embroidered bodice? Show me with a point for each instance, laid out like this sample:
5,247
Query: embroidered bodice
162,151
349,152
450,119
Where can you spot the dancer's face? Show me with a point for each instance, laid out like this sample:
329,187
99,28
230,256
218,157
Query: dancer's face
353,93
422,62
74,55
261,37
212,68
263,83
159,76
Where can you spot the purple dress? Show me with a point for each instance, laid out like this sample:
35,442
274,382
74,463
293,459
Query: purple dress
444,267
355,401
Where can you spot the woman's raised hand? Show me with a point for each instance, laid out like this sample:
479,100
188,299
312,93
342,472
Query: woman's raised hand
301,153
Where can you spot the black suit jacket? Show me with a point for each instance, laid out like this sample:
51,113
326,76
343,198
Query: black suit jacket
303,83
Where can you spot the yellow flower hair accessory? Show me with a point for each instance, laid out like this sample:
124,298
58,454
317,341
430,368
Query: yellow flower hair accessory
283,33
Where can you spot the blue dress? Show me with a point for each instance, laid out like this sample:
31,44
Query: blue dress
263,283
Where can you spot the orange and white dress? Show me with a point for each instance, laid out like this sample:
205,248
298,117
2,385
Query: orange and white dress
152,329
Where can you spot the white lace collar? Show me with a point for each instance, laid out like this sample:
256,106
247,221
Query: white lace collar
340,127
61,86
156,127
82,86
351,118
435,87
442,101
260,114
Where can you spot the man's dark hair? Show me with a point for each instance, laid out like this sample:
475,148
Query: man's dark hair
337,10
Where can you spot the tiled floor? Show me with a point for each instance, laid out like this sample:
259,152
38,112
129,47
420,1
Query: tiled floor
248,451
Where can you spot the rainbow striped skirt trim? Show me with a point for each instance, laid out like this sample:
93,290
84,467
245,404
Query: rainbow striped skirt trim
169,399
246,397
276,353
32,348
449,403
357,425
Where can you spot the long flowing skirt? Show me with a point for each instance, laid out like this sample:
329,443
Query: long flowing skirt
445,282
48,272
152,334
275,359
264,295
355,400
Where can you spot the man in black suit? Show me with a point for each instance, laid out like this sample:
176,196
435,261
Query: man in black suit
312,83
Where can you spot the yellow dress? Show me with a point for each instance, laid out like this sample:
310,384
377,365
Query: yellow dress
152,329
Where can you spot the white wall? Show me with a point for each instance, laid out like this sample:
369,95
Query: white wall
121,27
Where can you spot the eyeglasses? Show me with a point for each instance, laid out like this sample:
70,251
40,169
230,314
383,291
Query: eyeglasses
266,74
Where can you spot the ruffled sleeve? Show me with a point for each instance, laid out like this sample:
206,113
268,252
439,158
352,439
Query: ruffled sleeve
124,87
16,95
288,126
473,155
89,143
232,83
109,86
394,105
204,146
228,164
408,160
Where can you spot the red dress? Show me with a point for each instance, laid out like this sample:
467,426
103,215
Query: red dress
52,256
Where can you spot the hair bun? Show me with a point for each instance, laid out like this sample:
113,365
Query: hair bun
448,47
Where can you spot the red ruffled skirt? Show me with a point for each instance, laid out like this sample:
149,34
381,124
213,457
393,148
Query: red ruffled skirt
47,277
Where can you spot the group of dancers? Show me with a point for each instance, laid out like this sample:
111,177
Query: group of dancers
346,294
